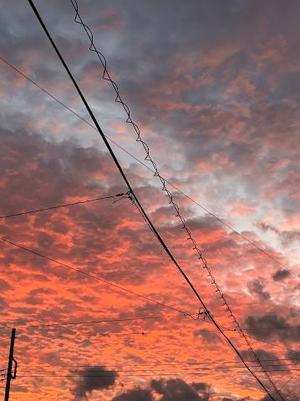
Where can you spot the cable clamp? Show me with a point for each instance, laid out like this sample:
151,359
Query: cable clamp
123,196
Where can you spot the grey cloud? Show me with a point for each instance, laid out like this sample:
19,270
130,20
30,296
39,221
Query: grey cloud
267,227
3,303
256,287
272,325
135,394
293,355
201,386
199,27
45,171
4,286
40,173
93,378
170,390
286,237
177,390
207,336
196,23
266,358
281,275
289,236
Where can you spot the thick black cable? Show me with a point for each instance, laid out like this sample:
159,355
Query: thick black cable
62,205
223,222
141,207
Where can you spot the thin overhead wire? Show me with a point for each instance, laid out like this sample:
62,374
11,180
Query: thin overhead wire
159,371
157,367
106,333
168,181
88,322
150,366
129,120
253,337
286,383
62,205
138,374
159,238
116,287
41,324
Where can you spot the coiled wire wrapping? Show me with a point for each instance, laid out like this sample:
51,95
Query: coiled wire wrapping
118,99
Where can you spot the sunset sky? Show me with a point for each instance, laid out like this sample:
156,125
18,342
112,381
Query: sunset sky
214,87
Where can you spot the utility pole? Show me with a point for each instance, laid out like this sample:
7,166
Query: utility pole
12,364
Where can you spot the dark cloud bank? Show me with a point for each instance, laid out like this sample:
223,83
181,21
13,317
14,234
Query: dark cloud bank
272,325
175,389
93,378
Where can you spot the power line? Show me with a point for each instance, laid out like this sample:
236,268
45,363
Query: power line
92,322
107,77
280,362
87,322
257,339
132,370
182,369
153,373
160,372
286,383
106,333
117,287
277,360
220,220
40,324
148,368
44,209
186,278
